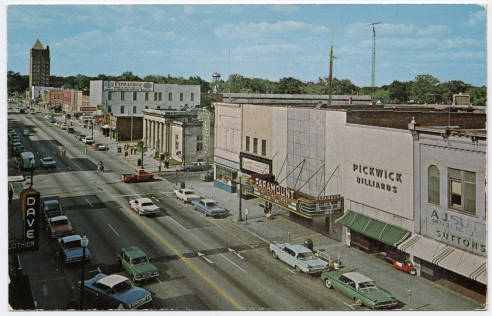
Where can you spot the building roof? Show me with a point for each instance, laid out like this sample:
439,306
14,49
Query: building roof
38,45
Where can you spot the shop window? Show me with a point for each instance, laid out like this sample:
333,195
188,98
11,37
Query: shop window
226,176
263,147
255,145
247,143
181,96
462,191
122,96
434,192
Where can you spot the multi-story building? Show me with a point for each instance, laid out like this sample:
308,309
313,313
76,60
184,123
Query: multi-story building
367,157
39,65
124,97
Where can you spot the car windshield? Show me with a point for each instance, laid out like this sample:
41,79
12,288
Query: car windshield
306,256
48,159
367,286
123,286
72,244
147,204
139,260
211,204
51,207
188,192
60,222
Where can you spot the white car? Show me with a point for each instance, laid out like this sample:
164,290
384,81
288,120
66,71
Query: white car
186,195
48,162
88,140
144,206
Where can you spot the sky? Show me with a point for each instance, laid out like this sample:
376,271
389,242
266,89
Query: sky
268,41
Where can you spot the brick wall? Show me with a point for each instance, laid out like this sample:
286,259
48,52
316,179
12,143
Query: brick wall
123,126
400,119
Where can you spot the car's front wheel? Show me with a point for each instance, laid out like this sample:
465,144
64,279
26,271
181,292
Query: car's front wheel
328,284
274,254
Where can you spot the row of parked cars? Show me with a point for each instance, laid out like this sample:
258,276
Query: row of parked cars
360,288
208,207
115,290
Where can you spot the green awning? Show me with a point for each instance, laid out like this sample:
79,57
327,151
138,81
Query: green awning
373,228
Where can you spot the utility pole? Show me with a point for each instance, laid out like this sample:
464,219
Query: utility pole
373,75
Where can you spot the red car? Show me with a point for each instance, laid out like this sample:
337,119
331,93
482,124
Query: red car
59,226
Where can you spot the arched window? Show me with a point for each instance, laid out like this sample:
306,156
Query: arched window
433,185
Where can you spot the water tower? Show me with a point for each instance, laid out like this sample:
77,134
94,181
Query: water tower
216,77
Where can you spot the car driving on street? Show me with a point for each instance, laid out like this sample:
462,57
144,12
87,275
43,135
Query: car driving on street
299,257
144,206
48,162
137,264
186,195
209,207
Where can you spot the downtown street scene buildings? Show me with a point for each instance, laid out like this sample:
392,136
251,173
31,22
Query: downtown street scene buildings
135,194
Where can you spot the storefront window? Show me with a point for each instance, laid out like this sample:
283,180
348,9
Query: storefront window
225,175
434,187
462,190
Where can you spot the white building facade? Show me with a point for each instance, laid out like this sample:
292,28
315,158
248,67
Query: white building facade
123,97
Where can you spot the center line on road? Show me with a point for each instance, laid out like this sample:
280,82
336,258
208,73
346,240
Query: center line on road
114,231
89,203
232,262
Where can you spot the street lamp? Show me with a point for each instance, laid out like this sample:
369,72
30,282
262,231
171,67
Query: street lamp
240,217
84,242
32,171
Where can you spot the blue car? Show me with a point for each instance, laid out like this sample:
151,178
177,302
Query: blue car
71,250
116,291
209,207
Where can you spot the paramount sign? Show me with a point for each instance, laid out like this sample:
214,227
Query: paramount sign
292,200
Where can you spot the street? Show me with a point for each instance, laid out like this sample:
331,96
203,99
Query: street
204,263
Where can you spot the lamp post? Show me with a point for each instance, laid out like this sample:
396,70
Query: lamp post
240,217
84,242
92,127
32,171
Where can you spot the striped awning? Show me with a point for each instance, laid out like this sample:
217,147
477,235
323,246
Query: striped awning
373,228
459,261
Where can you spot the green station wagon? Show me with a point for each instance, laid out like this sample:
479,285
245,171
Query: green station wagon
360,288
137,264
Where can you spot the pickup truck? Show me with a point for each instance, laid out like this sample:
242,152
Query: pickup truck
360,288
299,257
137,264
144,206
138,176
186,195
209,207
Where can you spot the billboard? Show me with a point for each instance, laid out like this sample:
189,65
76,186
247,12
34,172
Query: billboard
128,86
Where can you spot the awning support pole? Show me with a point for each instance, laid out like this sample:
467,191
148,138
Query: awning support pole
307,181
299,175
302,162
326,183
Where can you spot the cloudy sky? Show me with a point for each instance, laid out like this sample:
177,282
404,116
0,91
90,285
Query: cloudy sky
262,41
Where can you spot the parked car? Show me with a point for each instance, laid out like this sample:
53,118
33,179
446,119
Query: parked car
209,207
299,257
207,175
48,162
51,208
87,140
71,249
196,166
59,226
116,291
18,148
360,288
63,126
95,144
144,206
80,137
71,130
137,264
186,195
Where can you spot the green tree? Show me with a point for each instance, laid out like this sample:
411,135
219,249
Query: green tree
129,76
399,92
424,89
16,83
290,86
447,89
478,95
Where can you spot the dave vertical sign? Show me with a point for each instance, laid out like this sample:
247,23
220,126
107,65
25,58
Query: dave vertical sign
30,202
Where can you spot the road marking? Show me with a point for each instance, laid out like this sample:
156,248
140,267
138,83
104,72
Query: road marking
235,252
181,256
201,255
349,305
114,231
230,233
89,203
232,262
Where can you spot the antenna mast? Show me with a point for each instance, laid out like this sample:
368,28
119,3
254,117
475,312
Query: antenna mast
331,69
373,75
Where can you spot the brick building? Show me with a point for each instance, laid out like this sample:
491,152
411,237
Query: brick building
39,65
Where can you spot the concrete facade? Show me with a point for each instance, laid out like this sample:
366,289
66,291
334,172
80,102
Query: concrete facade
139,96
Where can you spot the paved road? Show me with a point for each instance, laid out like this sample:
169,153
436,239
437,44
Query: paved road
205,263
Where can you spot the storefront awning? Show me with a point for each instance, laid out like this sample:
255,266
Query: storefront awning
447,257
373,228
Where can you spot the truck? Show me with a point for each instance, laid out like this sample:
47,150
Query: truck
139,175
26,161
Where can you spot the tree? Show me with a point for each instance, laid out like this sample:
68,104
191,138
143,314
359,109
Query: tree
290,86
478,95
424,89
129,76
398,91
447,89
16,83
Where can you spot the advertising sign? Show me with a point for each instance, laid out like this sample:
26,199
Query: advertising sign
251,164
30,202
87,108
100,107
128,86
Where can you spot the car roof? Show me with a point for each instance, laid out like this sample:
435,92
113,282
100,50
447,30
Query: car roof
143,200
299,248
134,252
71,238
209,201
51,202
58,218
187,190
112,280
47,157
357,277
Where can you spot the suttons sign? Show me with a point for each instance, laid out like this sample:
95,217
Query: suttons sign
30,201
264,187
